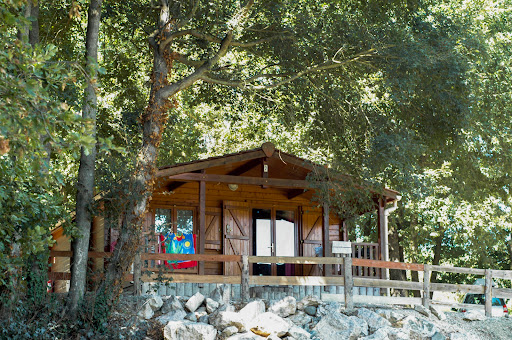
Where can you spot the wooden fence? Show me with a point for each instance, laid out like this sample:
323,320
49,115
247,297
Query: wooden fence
345,278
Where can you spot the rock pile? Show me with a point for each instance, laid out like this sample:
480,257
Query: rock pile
211,318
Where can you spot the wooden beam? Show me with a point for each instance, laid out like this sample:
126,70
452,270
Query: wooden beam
264,170
274,182
488,293
386,264
295,260
382,232
187,278
208,163
244,167
373,300
202,222
460,270
426,286
295,193
296,280
189,257
325,238
268,148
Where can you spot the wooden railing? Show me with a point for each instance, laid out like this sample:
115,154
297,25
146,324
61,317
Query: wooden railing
345,279
368,251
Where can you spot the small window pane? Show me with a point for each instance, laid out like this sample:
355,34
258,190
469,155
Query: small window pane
185,223
163,221
285,233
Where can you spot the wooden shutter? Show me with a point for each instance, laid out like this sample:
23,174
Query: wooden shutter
236,231
311,238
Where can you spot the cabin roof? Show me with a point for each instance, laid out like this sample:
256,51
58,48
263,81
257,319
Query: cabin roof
283,170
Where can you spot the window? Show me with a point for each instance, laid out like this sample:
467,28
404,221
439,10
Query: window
174,221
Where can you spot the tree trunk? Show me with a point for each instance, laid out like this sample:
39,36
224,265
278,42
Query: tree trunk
396,254
85,187
153,119
510,253
414,251
437,253
33,35
130,235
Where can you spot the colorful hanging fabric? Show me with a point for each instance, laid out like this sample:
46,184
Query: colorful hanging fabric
178,244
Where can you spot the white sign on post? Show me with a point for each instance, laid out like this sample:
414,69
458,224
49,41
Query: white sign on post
341,247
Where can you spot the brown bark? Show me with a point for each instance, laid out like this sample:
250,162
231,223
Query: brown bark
396,253
437,253
510,252
85,185
414,250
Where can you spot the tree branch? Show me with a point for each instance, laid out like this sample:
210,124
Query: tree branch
189,17
176,87
184,60
246,83
237,19
214,39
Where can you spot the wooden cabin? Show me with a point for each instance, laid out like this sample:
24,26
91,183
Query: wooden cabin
255,202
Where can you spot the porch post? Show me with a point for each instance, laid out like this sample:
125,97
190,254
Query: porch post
383,237
202,222
325,238
383,231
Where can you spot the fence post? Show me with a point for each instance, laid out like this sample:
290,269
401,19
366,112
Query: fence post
488,293
245,279
426,286
348,281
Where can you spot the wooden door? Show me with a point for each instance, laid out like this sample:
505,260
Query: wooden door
311,238
213,240
236,231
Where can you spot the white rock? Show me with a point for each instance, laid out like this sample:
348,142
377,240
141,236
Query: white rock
311,300
176,315
155,302
300,318
252,310
419,328
172,303
438,313
390,315
438,336
245,336
216,294
273,336
422,310
284,307
229,331
191,317
374,320
186,330
146,312
270,323
211,305
299,333
380,334
194,302
222,320
338,326
473,316
398,334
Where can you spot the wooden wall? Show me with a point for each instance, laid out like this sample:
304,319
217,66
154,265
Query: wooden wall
245,198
